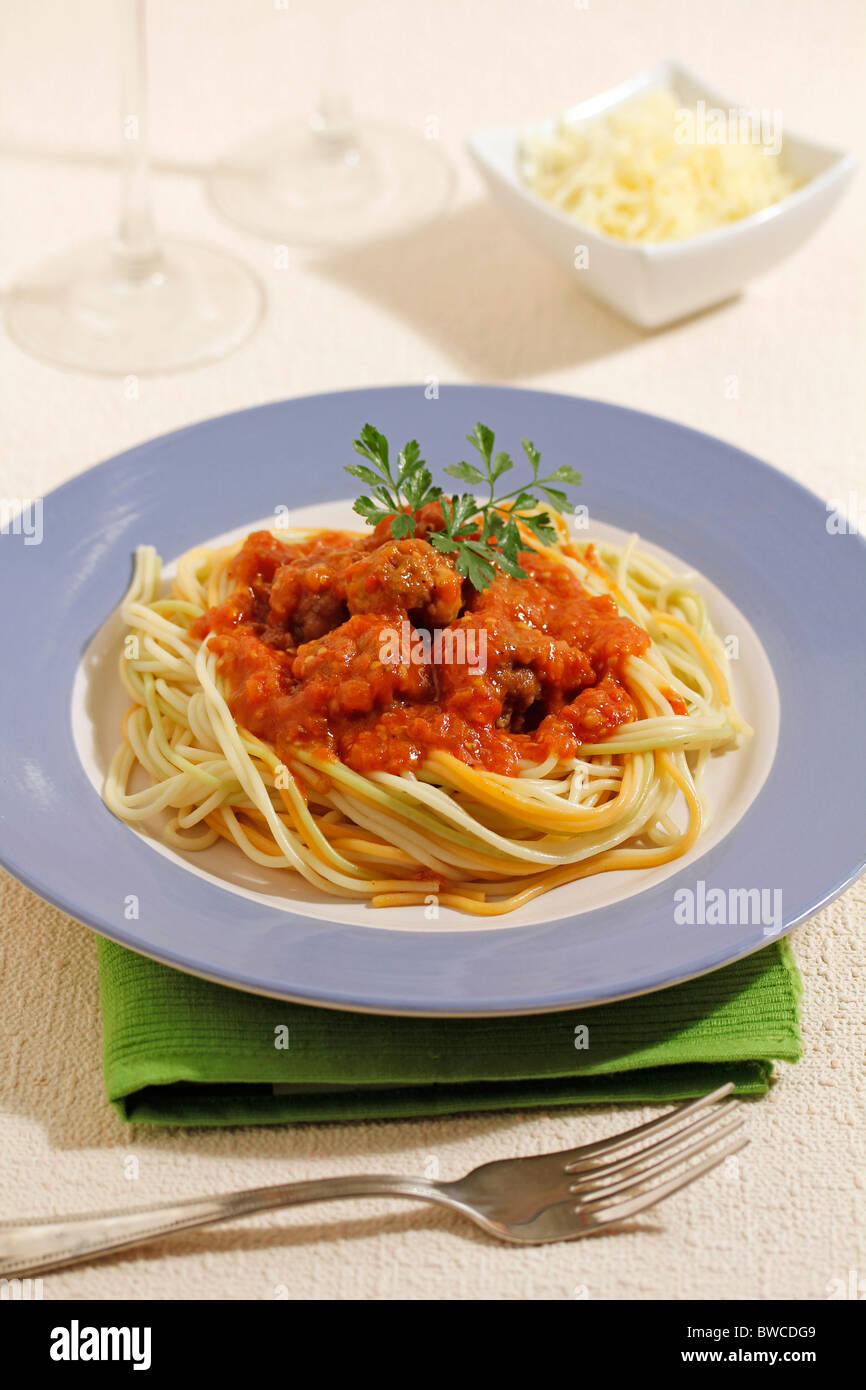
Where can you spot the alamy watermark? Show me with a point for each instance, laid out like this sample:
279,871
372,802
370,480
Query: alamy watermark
408,646
22,516
703,124
846,516
86,1343
732,907
853,1287
20,1290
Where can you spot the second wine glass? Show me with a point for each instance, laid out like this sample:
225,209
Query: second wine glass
328,178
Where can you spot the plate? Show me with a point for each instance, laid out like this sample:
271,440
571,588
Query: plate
783,575
99,703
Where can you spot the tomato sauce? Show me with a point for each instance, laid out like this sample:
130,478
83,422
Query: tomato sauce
377,652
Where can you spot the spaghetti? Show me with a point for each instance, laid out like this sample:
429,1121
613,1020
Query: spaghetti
264,714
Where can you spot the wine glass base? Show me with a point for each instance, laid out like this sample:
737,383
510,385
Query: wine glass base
297,185
83,309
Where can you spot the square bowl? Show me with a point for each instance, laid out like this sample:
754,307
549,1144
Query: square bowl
654,283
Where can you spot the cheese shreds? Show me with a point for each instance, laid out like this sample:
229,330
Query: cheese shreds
656,170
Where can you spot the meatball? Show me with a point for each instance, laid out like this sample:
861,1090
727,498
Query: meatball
347,671
520,667
308,595
518,687
406,576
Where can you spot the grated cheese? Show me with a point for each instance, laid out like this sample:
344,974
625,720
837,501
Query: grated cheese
639,174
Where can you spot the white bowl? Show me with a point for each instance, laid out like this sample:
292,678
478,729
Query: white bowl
653,283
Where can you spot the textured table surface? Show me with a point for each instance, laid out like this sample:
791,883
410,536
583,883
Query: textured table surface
777,372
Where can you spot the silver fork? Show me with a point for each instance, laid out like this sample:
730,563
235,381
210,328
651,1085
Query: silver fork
548,1197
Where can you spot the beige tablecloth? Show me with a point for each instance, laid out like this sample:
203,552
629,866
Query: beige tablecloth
464,300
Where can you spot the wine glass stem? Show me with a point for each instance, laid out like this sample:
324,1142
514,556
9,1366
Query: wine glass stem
136,245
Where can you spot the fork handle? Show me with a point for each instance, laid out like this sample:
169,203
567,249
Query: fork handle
32,1247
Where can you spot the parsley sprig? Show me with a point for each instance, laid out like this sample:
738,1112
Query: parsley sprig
482,535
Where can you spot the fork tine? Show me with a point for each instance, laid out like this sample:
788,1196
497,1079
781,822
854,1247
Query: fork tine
621,1211
590,1194
707,1118
628,1136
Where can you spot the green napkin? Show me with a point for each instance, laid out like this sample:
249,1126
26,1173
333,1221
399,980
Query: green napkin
182,1051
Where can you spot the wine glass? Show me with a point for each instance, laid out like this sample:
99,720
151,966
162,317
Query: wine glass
327,178
136,302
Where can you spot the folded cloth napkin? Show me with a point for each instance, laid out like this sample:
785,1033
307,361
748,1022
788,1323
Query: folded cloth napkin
183,1051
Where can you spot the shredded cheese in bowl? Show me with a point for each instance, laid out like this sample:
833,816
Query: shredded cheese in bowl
651,171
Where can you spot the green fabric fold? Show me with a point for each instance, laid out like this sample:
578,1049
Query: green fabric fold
183,1051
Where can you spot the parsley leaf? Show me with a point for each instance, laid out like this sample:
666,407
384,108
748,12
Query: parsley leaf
483,537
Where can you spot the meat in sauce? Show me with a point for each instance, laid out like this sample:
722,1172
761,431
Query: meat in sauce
302,654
